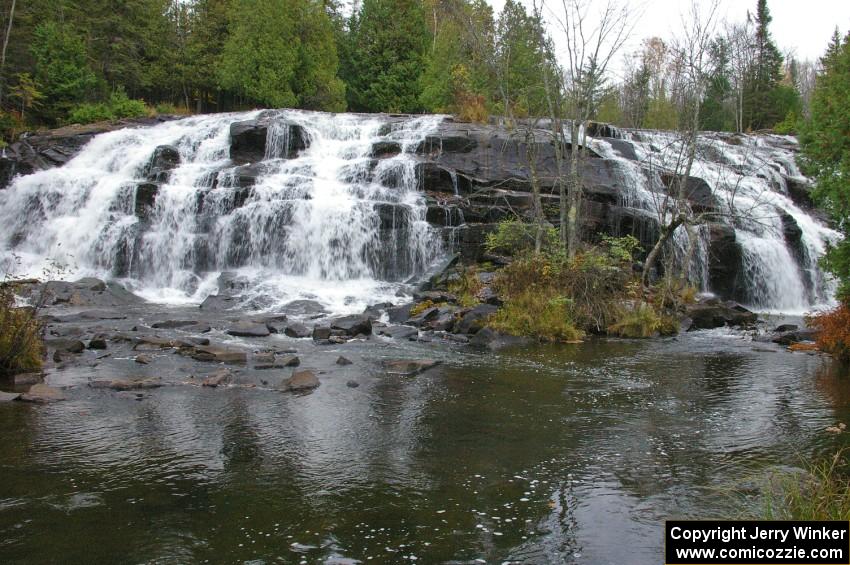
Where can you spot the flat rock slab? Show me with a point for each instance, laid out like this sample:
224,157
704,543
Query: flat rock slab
398,332
300,381
173,324
43,394
219,355
408,367
9,396
153,344
140,383
248,329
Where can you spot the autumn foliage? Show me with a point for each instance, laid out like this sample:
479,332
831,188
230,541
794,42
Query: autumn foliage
834,327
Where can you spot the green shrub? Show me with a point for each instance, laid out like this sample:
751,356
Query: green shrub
90,113
514,237
117,107
535,314
123,106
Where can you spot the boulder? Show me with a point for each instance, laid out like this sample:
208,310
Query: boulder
715,314
321,333
399,314
300,381
297,330
280,362
353,325
790,337
66,345
487,338
219,378
164,159
306,308
408,367
426,315
98,342
475,319
343,361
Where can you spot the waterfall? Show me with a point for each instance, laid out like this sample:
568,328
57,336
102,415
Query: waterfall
330,223
747,181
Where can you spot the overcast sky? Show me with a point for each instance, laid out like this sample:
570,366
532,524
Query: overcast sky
803,26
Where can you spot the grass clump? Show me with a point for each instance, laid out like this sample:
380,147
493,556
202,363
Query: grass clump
638,321
535,314
421,307
822,493
466,287
21,347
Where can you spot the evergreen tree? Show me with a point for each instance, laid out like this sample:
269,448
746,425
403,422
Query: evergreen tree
760,108
385,56
61,67
715,113
826,152
315,83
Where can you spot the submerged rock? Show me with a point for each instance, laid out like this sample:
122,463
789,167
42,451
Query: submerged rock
42,394
300,381
132,383
343,361
398,332
218,355
247,328
219,378
408,367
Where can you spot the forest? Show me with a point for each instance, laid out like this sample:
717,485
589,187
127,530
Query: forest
75,61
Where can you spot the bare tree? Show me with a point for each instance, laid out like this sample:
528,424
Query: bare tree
741,43
5,47
591,40
691,55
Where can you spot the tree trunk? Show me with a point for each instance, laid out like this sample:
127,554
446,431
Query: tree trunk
573,192
3,53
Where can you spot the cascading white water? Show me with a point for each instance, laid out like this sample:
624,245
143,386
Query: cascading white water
330,224
747,175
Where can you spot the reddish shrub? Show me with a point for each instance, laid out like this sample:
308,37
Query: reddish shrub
834,327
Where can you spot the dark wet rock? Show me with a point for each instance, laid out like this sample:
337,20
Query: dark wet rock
384,149
145,199
475,319
408,367
220,377
374,311
9,396
297,330
398,332
164,159
399,314
321,333
98,342
132,383
489,296
279,362
143,359
66,345
786,328
445,319
343,361
716,314
352,384
353,325
300,381
435,296
218,355
247,328
263,357
248,139
200,328
173,324
790,337
426,315
42,394
456,338
487,338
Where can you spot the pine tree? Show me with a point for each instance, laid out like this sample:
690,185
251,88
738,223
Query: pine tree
715,114
384,58
826,152
760,105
